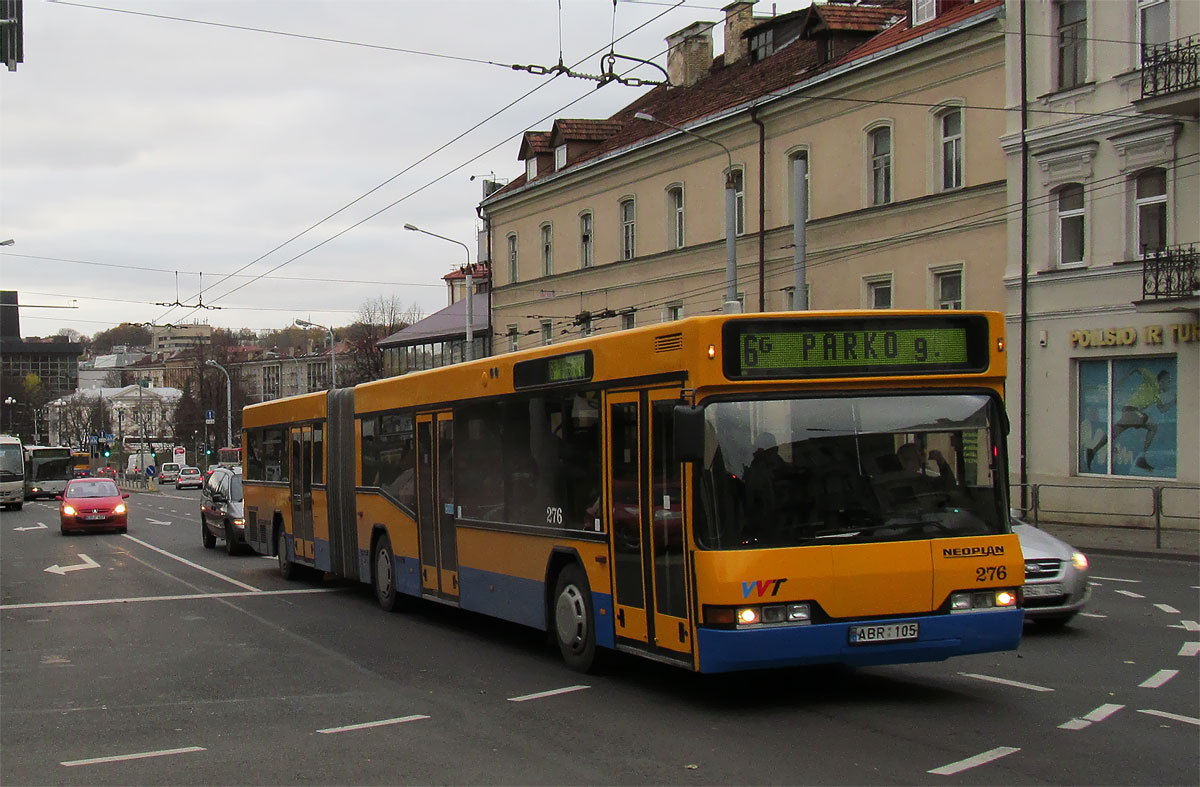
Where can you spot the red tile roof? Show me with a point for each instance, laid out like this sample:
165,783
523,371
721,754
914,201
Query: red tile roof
584,129
855,18
535,142
904,31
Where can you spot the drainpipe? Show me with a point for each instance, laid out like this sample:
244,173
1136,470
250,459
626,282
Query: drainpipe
1024,327
762,208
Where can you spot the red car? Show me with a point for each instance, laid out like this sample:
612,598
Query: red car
92,504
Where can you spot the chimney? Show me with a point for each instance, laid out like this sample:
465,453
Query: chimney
739,17
10,318
691,54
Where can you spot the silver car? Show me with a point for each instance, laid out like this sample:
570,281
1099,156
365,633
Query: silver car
1056,585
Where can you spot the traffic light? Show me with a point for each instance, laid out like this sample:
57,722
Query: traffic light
106,449
207,451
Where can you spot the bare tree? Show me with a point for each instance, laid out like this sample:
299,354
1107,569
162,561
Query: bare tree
378,318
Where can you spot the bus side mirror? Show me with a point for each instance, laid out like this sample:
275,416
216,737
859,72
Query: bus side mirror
689,433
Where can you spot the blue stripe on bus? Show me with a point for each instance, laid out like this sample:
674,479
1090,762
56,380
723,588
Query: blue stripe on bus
942,636
322,558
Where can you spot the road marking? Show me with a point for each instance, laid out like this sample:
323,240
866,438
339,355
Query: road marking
550,693
1172,716
196,566
139,756
62,570
1004,682
38,526
1186,625
972,762
1130,593
1117,579
1099,714
158,521
1189,649
182,597
369,724
1167,608
1158,678
1091,615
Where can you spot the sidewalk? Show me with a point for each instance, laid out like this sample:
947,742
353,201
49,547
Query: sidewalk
1176,544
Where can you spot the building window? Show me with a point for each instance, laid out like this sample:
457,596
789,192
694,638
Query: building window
1071,244
1154,23
879,292
547,332
512,258
270,382
673,311
585,240
317,376
628,230
1127,417
1072,43
950,123
585,325
530,168
1150,208
948,289
800,155
514,342
675,215
739,199
881,165
628,320
547,250
923,11
760,45
560,157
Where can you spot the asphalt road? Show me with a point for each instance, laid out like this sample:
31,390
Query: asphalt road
167,663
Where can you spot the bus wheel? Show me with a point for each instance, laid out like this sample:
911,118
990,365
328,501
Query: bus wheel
384,575
574,624
287,569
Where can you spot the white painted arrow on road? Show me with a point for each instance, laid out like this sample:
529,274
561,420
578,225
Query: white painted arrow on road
158,521
38,526
87,563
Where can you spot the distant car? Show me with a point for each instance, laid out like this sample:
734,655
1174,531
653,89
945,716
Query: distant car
81,472
1056,585
106,472
169,472
92,504
189,477
221,512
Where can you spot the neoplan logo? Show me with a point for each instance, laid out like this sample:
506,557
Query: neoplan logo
987,551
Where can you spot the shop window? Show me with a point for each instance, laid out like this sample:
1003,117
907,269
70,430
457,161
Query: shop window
1127,417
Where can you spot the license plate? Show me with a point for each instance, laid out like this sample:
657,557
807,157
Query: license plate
1050,589
94,517
887,632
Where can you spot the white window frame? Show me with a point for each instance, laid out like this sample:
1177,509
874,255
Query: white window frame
628,227
953,142
1061,217
587,239
546,232
1079,45
672,311
875,284
547,330
513,258
923,11
560,157
586,326
805,153
1155,199
675,215
739,198
628,319
514,338
789,297
1140,13
880,163
937,275
530,168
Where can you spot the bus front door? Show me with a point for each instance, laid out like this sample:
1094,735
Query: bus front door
436,512
300,481
645,504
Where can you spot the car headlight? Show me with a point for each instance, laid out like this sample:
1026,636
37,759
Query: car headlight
1079,560
120,509
69,510
239,523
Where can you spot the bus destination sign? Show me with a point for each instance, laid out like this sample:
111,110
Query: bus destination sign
553,370
841,347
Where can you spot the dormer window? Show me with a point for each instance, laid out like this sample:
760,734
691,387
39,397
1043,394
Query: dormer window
924,11
560,157
761,45
530,168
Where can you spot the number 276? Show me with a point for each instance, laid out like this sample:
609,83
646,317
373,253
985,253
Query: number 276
990,573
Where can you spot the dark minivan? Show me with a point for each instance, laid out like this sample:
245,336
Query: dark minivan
221,513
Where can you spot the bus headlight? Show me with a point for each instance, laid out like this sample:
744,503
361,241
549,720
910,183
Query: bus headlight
747,616
767,615
969,600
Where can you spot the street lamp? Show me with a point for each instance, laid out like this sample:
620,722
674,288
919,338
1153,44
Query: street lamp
228,401
8,242
731,302
470,350
332,349
8,405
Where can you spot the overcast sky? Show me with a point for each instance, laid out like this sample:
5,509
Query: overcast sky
138,152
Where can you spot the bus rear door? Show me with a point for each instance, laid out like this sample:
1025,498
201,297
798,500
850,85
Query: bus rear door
645,503
437,515
301,489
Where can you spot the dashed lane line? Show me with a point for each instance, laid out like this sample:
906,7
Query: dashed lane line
1005,682
1129,593
1168,609
974,762
1189,649
1118,579
1091,615
138,756
1099,714
370,724
1172,716
1158,678
1186,625
551,693
181,597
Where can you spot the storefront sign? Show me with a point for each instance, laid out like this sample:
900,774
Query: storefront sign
1179,333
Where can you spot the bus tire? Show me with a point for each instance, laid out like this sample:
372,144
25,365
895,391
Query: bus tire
209,540
287,569
574,621
383,574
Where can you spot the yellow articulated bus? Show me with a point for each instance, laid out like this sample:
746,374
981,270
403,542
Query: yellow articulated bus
722,493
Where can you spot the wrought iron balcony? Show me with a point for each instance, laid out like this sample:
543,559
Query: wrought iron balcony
1170,67
1170,272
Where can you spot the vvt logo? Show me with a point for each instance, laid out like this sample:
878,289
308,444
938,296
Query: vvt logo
761,586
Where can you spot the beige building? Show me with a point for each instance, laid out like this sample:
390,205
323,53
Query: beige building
620,222
1102,253
168,339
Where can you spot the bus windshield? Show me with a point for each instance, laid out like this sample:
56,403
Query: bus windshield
49,464
800,472
11,462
